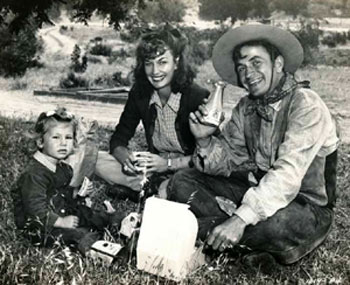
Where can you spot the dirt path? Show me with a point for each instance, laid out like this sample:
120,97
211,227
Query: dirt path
23,104
54,41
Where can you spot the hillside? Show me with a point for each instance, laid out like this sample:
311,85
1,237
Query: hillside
329,8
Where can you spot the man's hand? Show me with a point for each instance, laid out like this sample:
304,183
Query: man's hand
227,234
68,222
199,129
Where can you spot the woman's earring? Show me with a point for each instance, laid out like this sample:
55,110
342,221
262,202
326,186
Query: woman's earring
176,63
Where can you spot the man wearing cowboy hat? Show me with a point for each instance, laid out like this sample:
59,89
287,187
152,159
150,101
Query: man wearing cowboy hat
267,181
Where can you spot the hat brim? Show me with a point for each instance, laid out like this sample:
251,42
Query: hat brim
287,44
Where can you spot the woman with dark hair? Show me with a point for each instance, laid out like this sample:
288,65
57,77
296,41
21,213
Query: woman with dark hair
162,97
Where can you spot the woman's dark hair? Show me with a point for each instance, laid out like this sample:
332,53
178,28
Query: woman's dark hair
271,50
155,43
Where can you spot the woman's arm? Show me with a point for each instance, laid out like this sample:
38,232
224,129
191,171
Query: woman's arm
156,163
128,122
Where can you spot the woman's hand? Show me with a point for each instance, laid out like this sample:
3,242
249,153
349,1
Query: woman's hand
153,162
129,166
126,159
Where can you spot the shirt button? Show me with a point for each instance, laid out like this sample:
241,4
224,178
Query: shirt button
63,211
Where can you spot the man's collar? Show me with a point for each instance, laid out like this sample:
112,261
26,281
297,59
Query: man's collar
45,160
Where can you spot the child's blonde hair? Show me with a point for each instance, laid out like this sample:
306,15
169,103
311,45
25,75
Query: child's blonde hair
48,119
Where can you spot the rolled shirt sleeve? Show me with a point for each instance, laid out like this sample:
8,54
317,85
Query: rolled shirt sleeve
226,152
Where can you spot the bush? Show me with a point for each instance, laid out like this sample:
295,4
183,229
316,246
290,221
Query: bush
202,42
119,79
19,51
309,37
334,57
114,80
63,29
18,84
72,81
79,64
120,54
100,49
334,39
94,59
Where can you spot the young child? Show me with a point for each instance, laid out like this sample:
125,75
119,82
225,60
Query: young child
44,205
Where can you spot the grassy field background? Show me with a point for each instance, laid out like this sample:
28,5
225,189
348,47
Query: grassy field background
22,263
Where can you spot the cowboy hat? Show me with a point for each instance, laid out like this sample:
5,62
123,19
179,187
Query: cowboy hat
287,44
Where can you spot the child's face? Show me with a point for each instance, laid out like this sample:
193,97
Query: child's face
58,141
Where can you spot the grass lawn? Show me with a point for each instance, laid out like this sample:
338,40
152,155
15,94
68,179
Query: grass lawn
22,263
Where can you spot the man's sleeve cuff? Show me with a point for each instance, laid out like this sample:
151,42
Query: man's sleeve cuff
52,219
247,214
205,151
201,155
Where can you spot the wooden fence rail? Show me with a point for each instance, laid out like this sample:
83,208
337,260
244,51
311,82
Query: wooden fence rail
117,95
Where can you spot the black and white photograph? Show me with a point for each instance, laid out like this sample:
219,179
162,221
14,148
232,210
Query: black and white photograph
174,142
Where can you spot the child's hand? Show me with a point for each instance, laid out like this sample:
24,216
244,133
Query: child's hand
68,222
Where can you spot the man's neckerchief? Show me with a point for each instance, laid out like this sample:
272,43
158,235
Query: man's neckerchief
284,87
257,110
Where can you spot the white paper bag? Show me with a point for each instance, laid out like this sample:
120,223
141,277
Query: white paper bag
167,239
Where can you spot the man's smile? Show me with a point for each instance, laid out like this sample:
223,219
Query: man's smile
254,81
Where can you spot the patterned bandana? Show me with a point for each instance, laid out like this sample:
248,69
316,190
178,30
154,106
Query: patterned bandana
284,87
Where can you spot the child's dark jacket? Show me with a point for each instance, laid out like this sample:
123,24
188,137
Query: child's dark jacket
42,194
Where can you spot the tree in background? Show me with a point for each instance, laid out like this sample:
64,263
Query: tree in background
78,62
16,14
309,36
20,19
244,9
116,11
18,51
291,7
234,9
162,11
